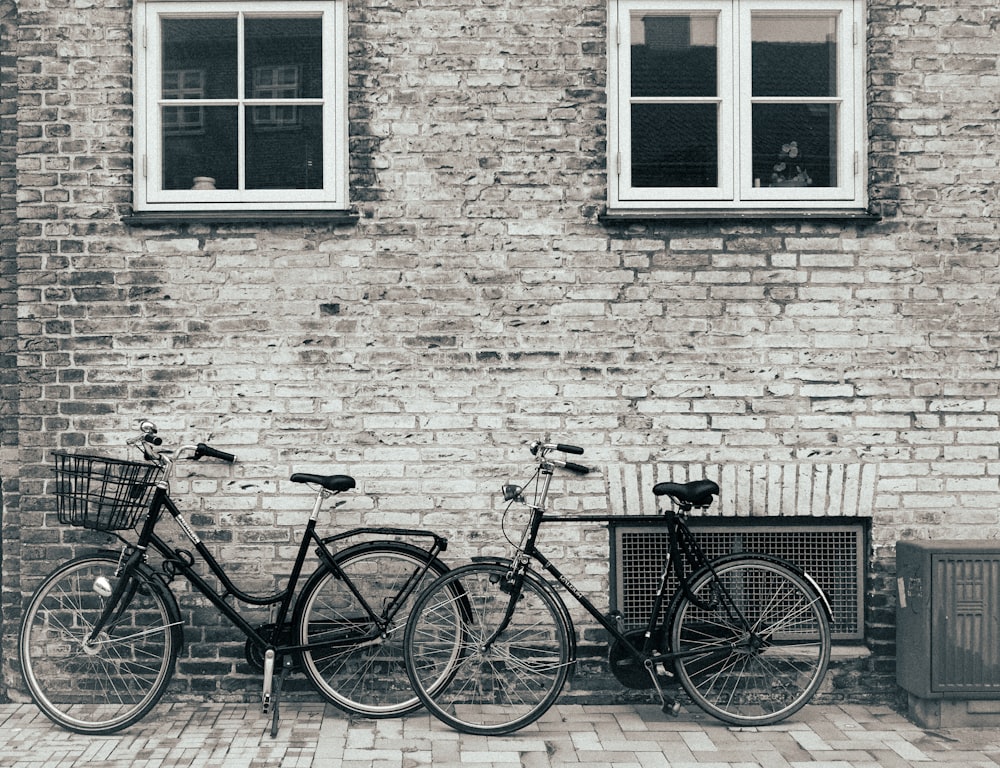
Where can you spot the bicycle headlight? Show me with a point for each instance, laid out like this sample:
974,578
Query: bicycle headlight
512,493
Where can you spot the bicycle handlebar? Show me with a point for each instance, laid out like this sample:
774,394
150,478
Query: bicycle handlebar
149,442
543,448
539,449
213,453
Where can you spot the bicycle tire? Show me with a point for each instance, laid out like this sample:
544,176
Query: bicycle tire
765,645
113,684
487,690
360,675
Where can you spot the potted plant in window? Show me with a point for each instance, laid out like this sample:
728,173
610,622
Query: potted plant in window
789,171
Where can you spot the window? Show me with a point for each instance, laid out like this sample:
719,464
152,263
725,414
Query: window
241,106
740,104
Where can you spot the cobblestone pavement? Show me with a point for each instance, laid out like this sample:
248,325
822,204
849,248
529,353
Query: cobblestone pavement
569,736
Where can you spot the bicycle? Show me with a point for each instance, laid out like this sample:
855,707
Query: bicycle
747,636
101,634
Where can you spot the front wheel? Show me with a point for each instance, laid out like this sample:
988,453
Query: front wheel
473,671
358,664
757,647
104,684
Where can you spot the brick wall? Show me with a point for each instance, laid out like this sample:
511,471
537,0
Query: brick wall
10,581
478,303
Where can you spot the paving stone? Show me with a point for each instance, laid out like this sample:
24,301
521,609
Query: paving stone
182,735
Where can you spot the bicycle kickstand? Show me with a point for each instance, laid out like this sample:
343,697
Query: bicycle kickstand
669,705
286,665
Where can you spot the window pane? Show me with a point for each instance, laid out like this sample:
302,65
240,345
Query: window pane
284,147
674,145
207,153
674,55
795,145
285,57
794,55
203,46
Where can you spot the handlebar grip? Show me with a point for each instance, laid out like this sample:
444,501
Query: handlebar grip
569,449
213,453
153,439
578,468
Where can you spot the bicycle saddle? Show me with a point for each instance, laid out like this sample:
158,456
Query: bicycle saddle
330,482
697,493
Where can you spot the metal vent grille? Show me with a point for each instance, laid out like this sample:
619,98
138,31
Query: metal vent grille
831,554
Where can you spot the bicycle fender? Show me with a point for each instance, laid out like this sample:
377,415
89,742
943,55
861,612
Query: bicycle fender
827,607
437,566
364,545
544,584
152,579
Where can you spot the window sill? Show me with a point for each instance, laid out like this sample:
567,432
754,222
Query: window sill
153,218
621,215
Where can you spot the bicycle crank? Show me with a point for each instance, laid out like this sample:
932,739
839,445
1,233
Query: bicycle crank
268,680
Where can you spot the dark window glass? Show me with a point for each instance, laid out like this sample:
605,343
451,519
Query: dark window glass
674,56
283,138
795,145
675,145
794,55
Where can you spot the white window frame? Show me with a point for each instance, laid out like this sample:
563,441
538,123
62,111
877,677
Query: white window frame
148,183
736,190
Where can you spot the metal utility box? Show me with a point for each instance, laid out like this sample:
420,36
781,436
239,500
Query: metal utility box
948,620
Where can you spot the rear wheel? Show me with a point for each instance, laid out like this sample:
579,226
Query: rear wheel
102,685
470,677
362,670
760,651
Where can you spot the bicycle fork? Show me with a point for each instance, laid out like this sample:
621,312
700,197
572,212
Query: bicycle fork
116,598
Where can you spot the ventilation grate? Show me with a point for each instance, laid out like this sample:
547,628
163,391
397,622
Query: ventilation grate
832,554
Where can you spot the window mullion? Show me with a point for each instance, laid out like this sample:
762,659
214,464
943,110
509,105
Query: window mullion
241,95
729,109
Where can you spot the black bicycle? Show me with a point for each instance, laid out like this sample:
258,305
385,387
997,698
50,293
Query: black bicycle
101,634
747,636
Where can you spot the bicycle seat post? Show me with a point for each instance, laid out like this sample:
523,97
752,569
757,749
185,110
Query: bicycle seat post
321,495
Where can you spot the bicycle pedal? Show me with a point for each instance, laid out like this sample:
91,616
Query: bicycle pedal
663,672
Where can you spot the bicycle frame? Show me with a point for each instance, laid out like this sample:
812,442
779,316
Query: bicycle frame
681,542
178,562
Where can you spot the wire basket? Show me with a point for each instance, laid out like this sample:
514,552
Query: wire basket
103,494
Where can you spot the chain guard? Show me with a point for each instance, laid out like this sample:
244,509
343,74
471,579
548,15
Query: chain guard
626,669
